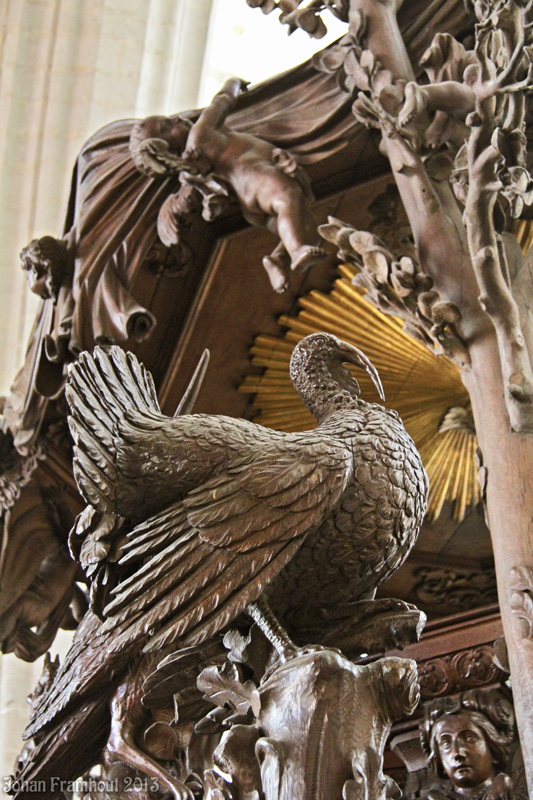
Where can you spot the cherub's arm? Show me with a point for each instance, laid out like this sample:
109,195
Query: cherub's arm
220,106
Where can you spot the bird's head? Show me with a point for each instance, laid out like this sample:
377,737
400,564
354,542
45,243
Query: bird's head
320,377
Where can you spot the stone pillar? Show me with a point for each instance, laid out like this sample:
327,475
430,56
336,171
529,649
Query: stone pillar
67,69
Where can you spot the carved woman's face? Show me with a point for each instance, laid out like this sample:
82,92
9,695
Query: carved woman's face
464,752
38,277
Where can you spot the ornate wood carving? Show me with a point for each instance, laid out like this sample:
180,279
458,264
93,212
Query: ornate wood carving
468,738
459,671
466,746
212,161
399,287
459,589
446,445
39,593
319,718
15,470
308,18
459,201
244,511
148,498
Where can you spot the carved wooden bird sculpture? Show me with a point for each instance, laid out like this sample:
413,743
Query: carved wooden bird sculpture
224,511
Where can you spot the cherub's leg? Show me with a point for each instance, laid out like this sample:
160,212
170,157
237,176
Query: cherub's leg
121,744
277,266
297,229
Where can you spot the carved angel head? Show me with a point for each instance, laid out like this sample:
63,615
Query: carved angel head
44,261
468,737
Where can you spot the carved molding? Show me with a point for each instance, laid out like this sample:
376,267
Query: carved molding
466,669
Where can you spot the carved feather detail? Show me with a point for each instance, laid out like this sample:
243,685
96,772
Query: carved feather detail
222,510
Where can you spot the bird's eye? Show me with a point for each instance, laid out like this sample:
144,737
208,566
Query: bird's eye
320,339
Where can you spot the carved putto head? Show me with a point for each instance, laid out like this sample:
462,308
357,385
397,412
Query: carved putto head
44,261
157,143
483,721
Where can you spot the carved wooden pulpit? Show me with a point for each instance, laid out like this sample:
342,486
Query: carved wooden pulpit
241,573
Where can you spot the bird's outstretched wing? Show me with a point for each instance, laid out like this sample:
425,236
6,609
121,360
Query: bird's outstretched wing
129,459
195,566
101,389
203,560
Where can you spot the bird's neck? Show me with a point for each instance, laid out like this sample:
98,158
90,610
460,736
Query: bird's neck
324,388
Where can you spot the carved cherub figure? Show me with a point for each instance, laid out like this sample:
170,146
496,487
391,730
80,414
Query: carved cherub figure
273,191
469,744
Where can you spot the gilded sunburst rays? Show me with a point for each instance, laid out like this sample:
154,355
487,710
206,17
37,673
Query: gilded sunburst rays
421,386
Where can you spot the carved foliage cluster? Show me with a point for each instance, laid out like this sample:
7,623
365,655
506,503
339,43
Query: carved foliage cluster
307,18
314,697
378,95
499,74
399,287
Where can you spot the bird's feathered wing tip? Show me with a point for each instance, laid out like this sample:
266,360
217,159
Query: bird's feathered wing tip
62,754
101,389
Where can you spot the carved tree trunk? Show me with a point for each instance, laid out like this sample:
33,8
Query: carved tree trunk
507,456
508,461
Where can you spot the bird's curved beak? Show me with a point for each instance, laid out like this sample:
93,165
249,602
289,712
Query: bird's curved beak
352,355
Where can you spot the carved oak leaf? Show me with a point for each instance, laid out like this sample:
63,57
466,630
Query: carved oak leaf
224,688
307,19
266,6
521,585
399,288
252,650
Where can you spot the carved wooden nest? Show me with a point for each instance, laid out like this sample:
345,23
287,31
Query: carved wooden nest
424,388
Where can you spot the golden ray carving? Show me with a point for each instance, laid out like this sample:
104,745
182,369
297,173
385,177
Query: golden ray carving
523,230
424,388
